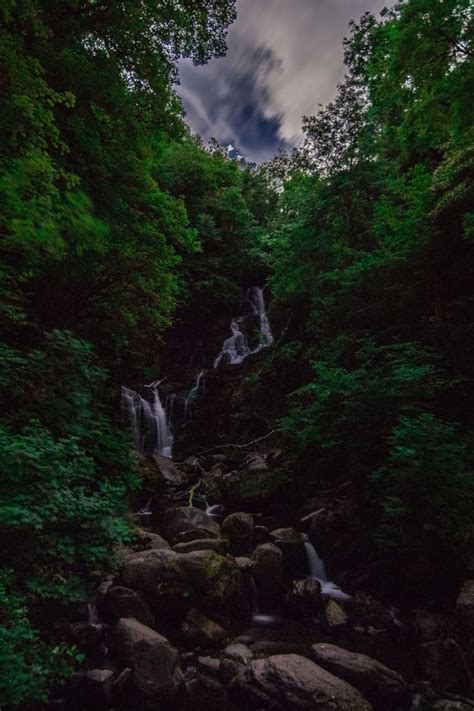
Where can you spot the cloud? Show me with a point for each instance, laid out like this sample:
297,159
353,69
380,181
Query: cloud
284,59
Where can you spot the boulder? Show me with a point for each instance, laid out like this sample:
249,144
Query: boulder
229,669
201,544
324,528
373,679
146,540
267,571
169,471
334,616
238,528
291,544
187,523
289,682
444,665
119,601
172,582
304,598
209,665
200,631
205,693
255,463
238,652
157,674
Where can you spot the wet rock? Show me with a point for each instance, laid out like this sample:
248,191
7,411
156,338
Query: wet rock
267,571
172,582
188,523
238,652
146,540
200,631
157,674
229,669
120,602
304,598
373,679
238,528
289,682
444,665
244,563
334,616
245,639
91,690
255,463
169,471
201,544
209,665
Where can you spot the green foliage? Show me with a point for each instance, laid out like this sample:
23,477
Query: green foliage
372,254
428,491
28,664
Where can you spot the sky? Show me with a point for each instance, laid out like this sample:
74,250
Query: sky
284,58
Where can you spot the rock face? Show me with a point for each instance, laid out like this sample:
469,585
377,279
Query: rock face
288,682
373,679
120,602
157,674
199,630
188,523
172,582
238,528
267,570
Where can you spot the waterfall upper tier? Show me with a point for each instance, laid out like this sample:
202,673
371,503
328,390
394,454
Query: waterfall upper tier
236,348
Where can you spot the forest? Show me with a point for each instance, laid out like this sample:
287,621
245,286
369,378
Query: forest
127,245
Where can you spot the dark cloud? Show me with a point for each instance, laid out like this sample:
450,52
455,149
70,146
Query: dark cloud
284,59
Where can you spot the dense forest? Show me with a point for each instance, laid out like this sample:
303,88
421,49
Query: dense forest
123,237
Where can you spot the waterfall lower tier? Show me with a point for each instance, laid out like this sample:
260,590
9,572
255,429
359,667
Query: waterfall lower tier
318,572
148,421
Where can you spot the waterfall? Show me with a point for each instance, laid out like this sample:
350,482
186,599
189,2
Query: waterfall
148,421
193,395
266,335
318,572
257,616
93,617
235,349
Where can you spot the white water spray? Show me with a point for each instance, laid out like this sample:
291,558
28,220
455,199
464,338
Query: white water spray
148,421
317,571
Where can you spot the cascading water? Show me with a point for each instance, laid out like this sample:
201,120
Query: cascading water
318,572
196,391
266,335
235,349
149,423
